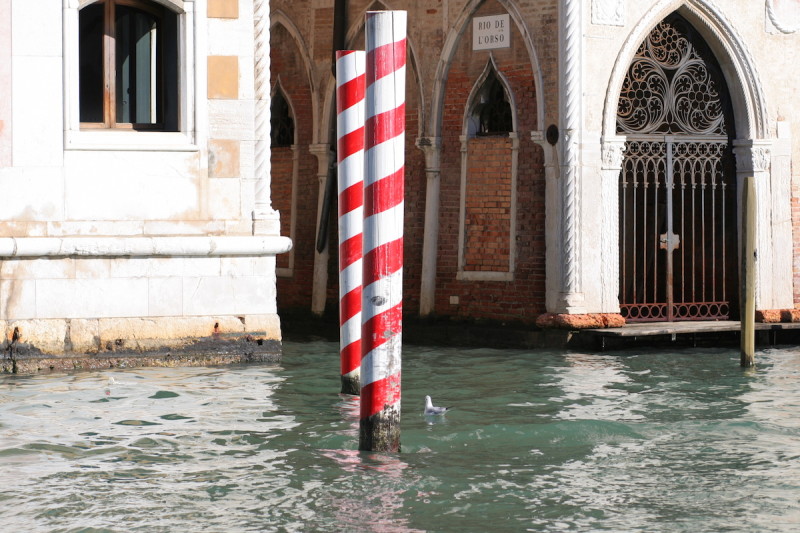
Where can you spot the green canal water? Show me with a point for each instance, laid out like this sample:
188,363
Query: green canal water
537,441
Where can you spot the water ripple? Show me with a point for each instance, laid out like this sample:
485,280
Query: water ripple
538,441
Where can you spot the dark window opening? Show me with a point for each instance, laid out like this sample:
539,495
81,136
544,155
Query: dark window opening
128,74
281,122
491,114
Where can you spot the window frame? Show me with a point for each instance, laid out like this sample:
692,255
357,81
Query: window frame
469,132
110,100
109,46
191,50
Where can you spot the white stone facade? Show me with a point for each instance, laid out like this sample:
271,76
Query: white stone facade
149,239
757,65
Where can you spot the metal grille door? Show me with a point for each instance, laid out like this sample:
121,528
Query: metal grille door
675,231
677,185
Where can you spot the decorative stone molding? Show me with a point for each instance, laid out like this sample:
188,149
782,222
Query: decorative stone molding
752,156
784,15
325,158
432,148
608,12
761,158
570,51
612,153
263,209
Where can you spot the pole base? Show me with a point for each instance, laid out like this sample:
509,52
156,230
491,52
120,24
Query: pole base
381,431
351,385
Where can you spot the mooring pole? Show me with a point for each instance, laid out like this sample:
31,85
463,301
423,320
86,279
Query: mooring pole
350,82
384,175
748,305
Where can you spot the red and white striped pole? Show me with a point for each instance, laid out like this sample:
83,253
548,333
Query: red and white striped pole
384,175
350,86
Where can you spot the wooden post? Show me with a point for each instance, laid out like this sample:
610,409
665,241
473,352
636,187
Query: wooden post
748,303
384,187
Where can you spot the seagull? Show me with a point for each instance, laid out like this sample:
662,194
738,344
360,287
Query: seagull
431,410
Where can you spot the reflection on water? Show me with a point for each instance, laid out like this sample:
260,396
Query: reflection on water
538,441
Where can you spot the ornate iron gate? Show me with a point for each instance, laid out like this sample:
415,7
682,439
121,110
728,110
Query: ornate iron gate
677,185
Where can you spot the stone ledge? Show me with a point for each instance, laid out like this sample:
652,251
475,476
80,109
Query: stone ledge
97,337
204,352
180,246
584,321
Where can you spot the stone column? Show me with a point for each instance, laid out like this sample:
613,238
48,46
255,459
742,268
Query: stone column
319,289
774,232
612,154
432,148
552,221
265,219
570,110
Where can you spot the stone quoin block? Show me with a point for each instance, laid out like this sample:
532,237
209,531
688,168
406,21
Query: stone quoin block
223,158
223,9
223,77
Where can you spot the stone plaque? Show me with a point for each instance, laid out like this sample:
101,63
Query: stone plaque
491,32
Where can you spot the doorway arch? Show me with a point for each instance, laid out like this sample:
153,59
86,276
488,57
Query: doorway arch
677,186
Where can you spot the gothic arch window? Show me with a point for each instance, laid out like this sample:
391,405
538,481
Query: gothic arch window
490,110
281,121
128,73
674,86
490,154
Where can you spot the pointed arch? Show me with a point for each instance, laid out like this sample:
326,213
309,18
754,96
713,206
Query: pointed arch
677,246
451,45
737,65
277,90
279,18
490,70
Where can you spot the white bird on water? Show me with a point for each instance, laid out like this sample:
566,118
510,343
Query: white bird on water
111,381
431,410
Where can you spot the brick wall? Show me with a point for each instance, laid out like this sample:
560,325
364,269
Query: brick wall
416,183
487,224
282,160
286,62
522,298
